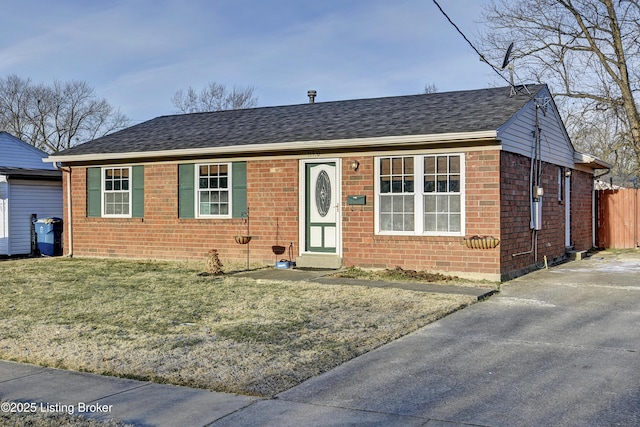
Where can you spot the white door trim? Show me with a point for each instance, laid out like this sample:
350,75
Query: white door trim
302,166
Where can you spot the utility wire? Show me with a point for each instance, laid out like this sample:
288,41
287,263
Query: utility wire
482,58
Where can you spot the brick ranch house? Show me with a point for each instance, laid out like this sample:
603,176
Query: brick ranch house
430,182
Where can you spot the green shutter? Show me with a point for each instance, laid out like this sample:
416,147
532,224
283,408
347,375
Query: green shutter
186,191
239,190
137,195
94,190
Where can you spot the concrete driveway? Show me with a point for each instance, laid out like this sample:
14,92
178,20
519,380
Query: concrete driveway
555,348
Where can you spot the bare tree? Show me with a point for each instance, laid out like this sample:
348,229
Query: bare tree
56,117
214,97
585,50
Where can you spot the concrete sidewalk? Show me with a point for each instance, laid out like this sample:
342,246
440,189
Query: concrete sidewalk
558,347
134,402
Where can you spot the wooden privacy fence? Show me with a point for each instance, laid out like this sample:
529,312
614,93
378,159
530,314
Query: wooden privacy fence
618,218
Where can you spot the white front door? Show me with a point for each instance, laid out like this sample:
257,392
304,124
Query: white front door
322,196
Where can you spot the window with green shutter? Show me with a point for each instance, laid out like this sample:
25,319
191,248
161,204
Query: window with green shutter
212,190
115,192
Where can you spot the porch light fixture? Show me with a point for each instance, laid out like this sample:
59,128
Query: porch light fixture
354,165
567,173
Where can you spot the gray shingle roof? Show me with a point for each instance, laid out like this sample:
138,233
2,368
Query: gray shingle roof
427,114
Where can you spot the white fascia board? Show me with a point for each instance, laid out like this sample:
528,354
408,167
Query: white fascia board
286,146
591,161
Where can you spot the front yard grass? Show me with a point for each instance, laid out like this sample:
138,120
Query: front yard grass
162,322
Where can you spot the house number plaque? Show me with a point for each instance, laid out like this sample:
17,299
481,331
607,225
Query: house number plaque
323,193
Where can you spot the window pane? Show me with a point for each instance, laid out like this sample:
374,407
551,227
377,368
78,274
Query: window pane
385,204
385,222
454,223
396,167
224,196
429,203
224,182
204,196
398,222
204,170
408,222
443,222
398,204
116,173
385,185
408,204
215,209
108,185
213,183
454,203
396,185
429,184
125,173
204,209
430,165
224,209
408,165
408,185
222,170
204,183
125,185
454,164
442,203
116,185
442,164
454,183
385,168
215,197
430,222
442,184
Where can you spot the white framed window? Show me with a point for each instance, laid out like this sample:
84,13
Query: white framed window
213,184
116,192
443,206
396,194
420,195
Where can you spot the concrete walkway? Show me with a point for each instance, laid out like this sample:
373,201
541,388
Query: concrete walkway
558,348
325,277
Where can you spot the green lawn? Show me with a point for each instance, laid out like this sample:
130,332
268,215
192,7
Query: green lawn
161,321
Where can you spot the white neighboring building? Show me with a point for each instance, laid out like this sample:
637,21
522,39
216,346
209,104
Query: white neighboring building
27,187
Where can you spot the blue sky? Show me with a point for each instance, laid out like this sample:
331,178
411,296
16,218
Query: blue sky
138,53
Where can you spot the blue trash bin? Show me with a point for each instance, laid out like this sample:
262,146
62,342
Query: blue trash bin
49,236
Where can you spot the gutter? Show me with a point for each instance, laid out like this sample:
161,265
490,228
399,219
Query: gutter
285,146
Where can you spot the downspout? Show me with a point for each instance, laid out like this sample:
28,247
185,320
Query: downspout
69,205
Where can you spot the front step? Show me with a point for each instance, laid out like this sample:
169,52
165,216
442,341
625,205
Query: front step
576,255
329,261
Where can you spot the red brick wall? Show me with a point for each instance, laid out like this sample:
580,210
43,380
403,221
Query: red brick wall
516,235
272,196
581,210
363,248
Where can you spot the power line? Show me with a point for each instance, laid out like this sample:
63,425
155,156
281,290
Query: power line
482,58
